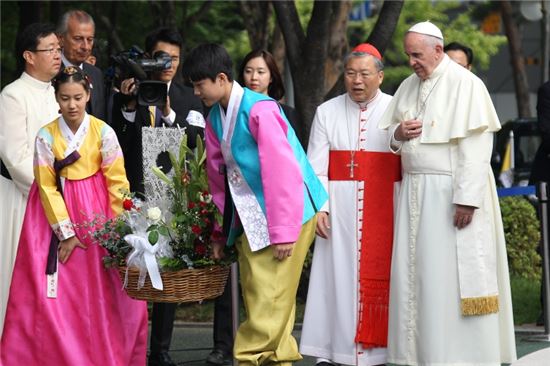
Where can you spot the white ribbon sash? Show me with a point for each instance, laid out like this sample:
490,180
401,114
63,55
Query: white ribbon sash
143,249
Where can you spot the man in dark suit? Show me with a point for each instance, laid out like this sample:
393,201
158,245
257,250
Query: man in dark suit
541,164
540,172
76,32
182,108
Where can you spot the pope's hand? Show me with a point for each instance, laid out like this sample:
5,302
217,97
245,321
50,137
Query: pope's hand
408,130
283,250
67,246
463,216
323,224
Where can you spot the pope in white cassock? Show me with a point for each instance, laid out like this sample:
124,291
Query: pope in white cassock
25,105
450,301
346,313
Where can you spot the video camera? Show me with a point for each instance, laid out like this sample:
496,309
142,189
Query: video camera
135,63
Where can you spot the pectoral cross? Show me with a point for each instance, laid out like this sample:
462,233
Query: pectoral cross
351,166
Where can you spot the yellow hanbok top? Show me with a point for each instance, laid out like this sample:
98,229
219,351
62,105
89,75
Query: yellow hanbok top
97,144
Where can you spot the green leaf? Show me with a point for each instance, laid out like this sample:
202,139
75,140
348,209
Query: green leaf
159,173
153,237
163,230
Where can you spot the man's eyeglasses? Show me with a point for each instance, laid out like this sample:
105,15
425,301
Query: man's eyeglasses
351,74
49,51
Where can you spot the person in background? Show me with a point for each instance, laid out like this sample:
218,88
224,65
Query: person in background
76,312
25,105
76,32
450,300
258,72
251,149
462,55
540,172
346,316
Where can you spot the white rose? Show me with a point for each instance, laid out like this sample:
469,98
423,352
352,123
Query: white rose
207,198
154,214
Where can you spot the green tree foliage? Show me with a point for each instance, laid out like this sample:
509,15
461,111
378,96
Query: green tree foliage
462,28
522,232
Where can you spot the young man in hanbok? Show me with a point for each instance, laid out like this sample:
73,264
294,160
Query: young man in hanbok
450,301
346,317
25,105
268,193
64,307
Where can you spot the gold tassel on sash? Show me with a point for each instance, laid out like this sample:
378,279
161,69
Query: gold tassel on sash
479,305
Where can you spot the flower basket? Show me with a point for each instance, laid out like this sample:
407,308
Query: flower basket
185,285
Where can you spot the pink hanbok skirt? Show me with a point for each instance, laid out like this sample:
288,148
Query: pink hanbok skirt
92,321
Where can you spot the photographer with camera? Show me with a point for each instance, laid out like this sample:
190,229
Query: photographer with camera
136,106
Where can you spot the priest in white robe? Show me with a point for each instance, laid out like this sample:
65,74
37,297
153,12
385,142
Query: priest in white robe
450,301
346,312
26,105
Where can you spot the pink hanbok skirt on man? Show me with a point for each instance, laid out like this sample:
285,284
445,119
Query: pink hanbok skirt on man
92,321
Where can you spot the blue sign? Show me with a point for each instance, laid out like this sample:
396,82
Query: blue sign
361,11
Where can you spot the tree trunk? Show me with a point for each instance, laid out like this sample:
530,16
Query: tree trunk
384,28
255,15
521,83
306,56
380,37
338,43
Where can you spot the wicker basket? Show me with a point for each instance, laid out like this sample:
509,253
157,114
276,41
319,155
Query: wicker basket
186,285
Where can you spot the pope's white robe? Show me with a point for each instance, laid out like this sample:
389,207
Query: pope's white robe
25,105
331,315
449,164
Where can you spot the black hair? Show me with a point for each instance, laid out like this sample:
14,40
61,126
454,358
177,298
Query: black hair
455,46
276,88
206,61
168,35
71,74
28,40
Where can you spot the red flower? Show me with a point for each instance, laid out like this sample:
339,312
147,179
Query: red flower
203,204
127,204
200,249
204,212
196,229
191,205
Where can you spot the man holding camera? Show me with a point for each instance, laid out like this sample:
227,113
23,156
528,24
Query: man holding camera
182,108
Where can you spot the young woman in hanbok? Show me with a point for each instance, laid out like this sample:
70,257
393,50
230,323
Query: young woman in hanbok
64,307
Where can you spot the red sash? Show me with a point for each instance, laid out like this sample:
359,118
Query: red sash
379,171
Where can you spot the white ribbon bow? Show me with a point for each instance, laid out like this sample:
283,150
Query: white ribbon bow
143,248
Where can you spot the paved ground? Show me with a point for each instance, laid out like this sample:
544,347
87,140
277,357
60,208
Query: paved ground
191,343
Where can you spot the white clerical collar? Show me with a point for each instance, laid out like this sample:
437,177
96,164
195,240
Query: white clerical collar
235,98
68,63
74,140
39,84
363,105
440,69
